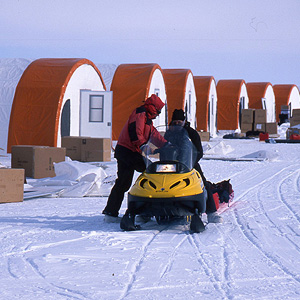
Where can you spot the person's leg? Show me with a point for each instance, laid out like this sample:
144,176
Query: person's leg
128,162
210,203
137,162
211,210
121,186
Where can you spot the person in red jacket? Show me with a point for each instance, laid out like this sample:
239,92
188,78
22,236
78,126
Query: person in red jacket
134,135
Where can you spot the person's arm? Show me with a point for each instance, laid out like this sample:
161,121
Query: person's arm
136,129
195,137
157,139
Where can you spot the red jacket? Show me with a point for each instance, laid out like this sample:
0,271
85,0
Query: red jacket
139,126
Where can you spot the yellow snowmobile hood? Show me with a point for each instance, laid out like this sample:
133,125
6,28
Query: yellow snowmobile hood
167,185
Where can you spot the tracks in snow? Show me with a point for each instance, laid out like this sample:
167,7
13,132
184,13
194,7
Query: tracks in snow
260,227
221,278
148,252
267,204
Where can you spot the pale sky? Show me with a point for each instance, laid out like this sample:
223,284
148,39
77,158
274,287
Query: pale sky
254,40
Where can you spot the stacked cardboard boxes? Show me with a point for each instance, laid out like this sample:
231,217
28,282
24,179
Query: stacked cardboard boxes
95,149
256,120
37,160
73,146
87,149
247,120
294,129
12,185
260,120
295,119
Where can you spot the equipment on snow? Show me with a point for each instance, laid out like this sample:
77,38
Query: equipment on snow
222,191
170,187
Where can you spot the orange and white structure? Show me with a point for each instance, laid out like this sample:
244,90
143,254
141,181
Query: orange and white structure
232,99
261,96
206,106
181,93
286,94
59,97
131,85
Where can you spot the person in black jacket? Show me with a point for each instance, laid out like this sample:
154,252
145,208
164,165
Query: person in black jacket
178,119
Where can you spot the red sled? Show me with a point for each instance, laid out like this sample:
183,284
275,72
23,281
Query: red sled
217,200
295,137
222,193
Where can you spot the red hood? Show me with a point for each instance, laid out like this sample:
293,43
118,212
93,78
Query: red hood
153,104
156,101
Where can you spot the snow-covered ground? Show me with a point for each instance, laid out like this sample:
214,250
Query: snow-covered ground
60,248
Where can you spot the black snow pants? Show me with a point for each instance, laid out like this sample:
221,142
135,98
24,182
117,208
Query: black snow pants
210,202
128,162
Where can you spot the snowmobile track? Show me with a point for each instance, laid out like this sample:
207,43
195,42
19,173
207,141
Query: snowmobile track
143,256
248,232
273,258
295,187
219,284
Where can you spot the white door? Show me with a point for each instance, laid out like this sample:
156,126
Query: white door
242,106
211,114
95,114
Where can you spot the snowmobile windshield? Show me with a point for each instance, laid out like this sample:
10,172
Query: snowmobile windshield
177,149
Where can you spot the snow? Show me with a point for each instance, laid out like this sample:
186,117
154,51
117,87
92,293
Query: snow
60,248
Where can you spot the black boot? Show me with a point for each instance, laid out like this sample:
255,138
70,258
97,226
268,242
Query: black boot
128,224
196,224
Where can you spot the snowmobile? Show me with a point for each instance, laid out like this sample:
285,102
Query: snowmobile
170,188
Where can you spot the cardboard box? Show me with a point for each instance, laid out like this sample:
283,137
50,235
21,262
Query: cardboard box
37,160
271,128
294,121
87,149
260,116
12,185
73,146
95,149
295,118
204,136
248,116
296,112
246,127
259,127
